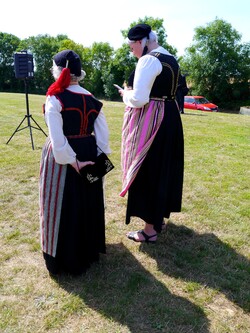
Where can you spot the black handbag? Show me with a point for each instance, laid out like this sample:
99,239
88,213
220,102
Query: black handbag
92,173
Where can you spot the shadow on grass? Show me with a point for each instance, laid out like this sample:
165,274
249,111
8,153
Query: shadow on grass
204,259
122,290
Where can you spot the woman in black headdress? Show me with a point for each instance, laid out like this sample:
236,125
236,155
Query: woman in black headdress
71,210
152,136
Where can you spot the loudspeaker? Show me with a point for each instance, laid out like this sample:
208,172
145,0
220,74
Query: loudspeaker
23,64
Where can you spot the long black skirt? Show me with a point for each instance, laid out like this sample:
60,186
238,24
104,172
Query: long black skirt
82,225
157,188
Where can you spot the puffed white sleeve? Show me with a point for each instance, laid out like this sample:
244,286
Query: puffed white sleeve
62,151
147,68
102,133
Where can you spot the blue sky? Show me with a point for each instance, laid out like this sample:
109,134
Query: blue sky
91,21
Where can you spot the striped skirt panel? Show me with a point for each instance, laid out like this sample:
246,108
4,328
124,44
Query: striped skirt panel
51,186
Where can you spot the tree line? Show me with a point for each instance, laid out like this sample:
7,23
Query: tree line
217,64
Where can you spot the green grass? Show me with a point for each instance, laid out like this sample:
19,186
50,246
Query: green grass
195,279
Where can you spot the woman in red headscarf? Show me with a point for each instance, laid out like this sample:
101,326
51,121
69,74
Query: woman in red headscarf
71,210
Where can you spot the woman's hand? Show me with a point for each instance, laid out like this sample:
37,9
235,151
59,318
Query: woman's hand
121,91
78,165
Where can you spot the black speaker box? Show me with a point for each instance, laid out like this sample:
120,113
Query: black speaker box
23,64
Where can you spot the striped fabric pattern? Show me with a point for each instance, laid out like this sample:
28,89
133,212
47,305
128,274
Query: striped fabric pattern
52,180
139,129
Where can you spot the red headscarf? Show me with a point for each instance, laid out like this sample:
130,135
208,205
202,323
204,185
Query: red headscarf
60,84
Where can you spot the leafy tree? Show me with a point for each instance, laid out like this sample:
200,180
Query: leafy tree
100,57
118,70
8,46
102,65
44,47
217,63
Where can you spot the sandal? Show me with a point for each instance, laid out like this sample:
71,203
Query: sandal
131,235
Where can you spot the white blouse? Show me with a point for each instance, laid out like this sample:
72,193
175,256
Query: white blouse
62,151
147,69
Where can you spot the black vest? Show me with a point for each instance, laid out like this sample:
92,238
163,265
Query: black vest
167,81
79,112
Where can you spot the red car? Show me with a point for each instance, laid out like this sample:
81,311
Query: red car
199,103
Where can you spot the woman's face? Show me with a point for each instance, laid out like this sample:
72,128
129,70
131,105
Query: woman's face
136,48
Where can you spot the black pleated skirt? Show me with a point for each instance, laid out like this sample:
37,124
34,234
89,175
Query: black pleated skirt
82,225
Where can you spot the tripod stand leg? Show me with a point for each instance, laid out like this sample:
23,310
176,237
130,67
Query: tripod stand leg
16,130
39,127
29,117
31,137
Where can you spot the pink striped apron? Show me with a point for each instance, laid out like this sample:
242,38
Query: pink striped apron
140,126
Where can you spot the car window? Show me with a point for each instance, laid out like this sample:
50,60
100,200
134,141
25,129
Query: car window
189,100
201,100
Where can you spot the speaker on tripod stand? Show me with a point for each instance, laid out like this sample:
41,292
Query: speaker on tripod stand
24,69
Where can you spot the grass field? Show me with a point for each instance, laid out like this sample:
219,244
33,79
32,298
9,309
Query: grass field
195,279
